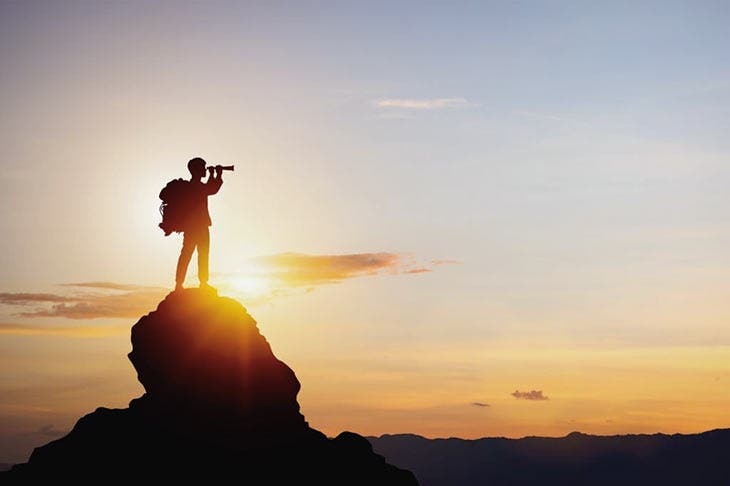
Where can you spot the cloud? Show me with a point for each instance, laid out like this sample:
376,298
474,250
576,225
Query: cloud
301,269
124,301
107,286
530,395
422,104
70,331
266,278
446,261
480,404
26,298
418,270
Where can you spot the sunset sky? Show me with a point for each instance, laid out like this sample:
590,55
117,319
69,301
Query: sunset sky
452,219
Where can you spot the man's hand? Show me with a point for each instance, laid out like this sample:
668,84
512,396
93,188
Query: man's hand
218,171
210,171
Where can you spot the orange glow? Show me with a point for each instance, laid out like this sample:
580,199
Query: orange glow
253,286
69,331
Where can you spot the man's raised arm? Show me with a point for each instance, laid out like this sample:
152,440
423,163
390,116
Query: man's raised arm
214,183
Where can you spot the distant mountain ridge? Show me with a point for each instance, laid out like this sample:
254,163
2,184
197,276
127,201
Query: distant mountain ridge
576,459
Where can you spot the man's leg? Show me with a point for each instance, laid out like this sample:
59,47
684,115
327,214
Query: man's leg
203,250
185,254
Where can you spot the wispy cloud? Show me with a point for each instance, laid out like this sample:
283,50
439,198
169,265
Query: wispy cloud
302,269
446,261
530,395
69,331
107,286
422,103
419,270
23,298
269,277
124,301
272,276
480,404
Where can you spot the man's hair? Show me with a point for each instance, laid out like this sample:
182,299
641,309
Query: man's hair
196,161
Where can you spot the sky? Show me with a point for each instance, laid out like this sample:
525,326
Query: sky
464,219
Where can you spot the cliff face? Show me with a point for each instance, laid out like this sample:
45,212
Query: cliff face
203,361
218,406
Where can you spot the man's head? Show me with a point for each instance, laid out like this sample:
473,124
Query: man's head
196,167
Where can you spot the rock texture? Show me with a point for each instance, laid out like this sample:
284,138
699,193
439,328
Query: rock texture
205,354
219,407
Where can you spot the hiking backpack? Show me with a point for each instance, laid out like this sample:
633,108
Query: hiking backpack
174,209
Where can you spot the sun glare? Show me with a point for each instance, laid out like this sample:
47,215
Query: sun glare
249,285
251,281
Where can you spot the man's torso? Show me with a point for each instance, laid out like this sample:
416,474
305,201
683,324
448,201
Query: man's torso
198,215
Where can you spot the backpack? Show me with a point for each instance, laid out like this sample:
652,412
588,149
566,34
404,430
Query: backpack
174,208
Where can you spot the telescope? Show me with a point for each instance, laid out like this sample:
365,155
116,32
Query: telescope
221,167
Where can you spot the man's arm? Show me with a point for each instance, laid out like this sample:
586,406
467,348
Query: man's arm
214,183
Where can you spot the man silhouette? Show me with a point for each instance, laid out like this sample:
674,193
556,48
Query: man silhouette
197,221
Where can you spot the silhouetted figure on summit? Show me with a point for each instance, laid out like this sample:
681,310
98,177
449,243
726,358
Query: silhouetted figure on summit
185,209
196,233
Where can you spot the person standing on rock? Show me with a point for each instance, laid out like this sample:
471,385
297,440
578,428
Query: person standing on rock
197,220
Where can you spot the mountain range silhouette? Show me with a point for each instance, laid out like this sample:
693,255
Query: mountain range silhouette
576,459
219,407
